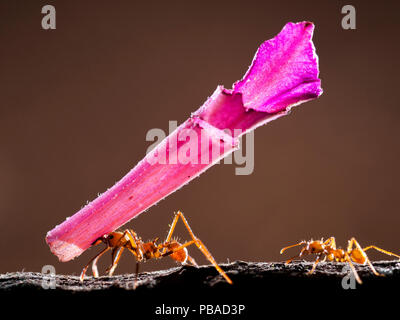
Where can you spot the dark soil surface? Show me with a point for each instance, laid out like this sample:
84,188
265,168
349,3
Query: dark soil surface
257,286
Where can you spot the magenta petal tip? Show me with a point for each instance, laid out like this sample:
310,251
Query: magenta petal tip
284,71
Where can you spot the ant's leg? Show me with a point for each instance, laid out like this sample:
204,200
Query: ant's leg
381,250
170,232
205,251
136,274
197,242
293,245
172,227
331,242
131,238
94,259
137,267
352,242
314,265
165,251
94,264
296,256
116,256
353,269
192,261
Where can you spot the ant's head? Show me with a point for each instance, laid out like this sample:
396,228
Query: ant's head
314,246
102,239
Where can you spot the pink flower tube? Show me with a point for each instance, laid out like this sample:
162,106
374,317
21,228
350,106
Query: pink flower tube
284,73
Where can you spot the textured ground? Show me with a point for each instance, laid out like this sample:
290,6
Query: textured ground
260,287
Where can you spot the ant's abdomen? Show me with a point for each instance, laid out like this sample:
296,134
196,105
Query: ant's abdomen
179,255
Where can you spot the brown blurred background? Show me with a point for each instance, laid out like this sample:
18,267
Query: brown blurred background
76,103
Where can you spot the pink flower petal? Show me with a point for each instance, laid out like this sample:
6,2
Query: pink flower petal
284,73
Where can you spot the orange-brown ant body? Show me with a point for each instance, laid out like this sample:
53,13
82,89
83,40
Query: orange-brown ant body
118,241
327,250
